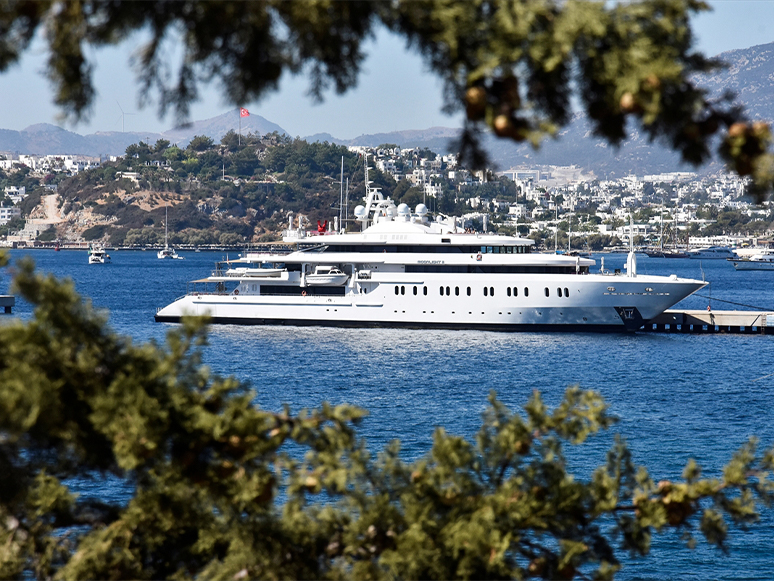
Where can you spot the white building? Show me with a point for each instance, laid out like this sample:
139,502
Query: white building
15,194
517,211
8,214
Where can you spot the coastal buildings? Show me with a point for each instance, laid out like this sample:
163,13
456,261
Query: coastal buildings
545,202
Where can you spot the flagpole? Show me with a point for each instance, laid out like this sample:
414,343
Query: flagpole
240,126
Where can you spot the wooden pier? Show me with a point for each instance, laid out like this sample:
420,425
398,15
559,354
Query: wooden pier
737,322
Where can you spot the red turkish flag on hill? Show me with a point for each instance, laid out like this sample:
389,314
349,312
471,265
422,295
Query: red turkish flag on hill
243,112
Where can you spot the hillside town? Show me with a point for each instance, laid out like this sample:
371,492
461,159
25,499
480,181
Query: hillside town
558,206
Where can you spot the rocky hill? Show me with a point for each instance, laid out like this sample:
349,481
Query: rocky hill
215,193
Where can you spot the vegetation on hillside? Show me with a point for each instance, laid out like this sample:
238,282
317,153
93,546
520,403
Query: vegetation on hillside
226,193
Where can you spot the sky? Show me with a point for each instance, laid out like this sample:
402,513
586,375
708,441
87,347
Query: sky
395,90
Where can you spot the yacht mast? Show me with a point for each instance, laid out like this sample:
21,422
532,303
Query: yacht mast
166,226
661,235
341,196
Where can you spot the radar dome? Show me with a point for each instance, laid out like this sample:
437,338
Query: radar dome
360,212
403,210
421,210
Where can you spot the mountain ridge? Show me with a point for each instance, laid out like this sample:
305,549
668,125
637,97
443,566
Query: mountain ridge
749,73
46,138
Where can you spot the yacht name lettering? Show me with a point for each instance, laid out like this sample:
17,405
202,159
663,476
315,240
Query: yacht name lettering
430,262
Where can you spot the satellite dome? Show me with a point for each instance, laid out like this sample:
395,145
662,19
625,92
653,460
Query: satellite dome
421,210
360,212
403,210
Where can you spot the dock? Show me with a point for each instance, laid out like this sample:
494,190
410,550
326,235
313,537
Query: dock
7,302
734,322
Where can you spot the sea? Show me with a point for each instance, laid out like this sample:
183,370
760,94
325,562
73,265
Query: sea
677,396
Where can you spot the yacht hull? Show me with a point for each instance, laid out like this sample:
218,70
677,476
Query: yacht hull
589,303
753,265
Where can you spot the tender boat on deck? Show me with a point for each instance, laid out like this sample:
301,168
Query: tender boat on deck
326,276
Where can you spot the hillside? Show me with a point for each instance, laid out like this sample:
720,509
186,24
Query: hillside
223,193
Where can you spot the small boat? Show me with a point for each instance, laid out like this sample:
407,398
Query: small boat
326,276
760,261
665,254
97,254
167,251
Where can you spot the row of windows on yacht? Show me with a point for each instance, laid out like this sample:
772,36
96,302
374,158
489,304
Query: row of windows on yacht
496,269
488,291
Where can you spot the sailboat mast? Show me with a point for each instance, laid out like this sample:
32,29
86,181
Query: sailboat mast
661,235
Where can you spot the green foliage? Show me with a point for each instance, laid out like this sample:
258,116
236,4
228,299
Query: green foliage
223,489
47,235
200,143
28,204
143,237
95,232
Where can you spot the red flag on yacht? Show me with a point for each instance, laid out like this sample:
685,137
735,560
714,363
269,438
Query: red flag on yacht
243,112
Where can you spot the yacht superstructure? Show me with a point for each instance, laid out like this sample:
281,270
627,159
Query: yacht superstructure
97,254
404,270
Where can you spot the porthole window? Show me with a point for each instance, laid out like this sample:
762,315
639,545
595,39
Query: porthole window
448,293
508,291
486,292
468,291
415,291
424,290
457,291
526,291
491,291
441,289
566,292
547,292
397,290
403,290
559,292
515,291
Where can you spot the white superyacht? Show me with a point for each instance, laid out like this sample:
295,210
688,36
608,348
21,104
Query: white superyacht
404,270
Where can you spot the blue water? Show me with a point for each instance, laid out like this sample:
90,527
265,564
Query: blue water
678,396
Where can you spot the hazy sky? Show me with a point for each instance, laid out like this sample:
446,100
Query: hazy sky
395,91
